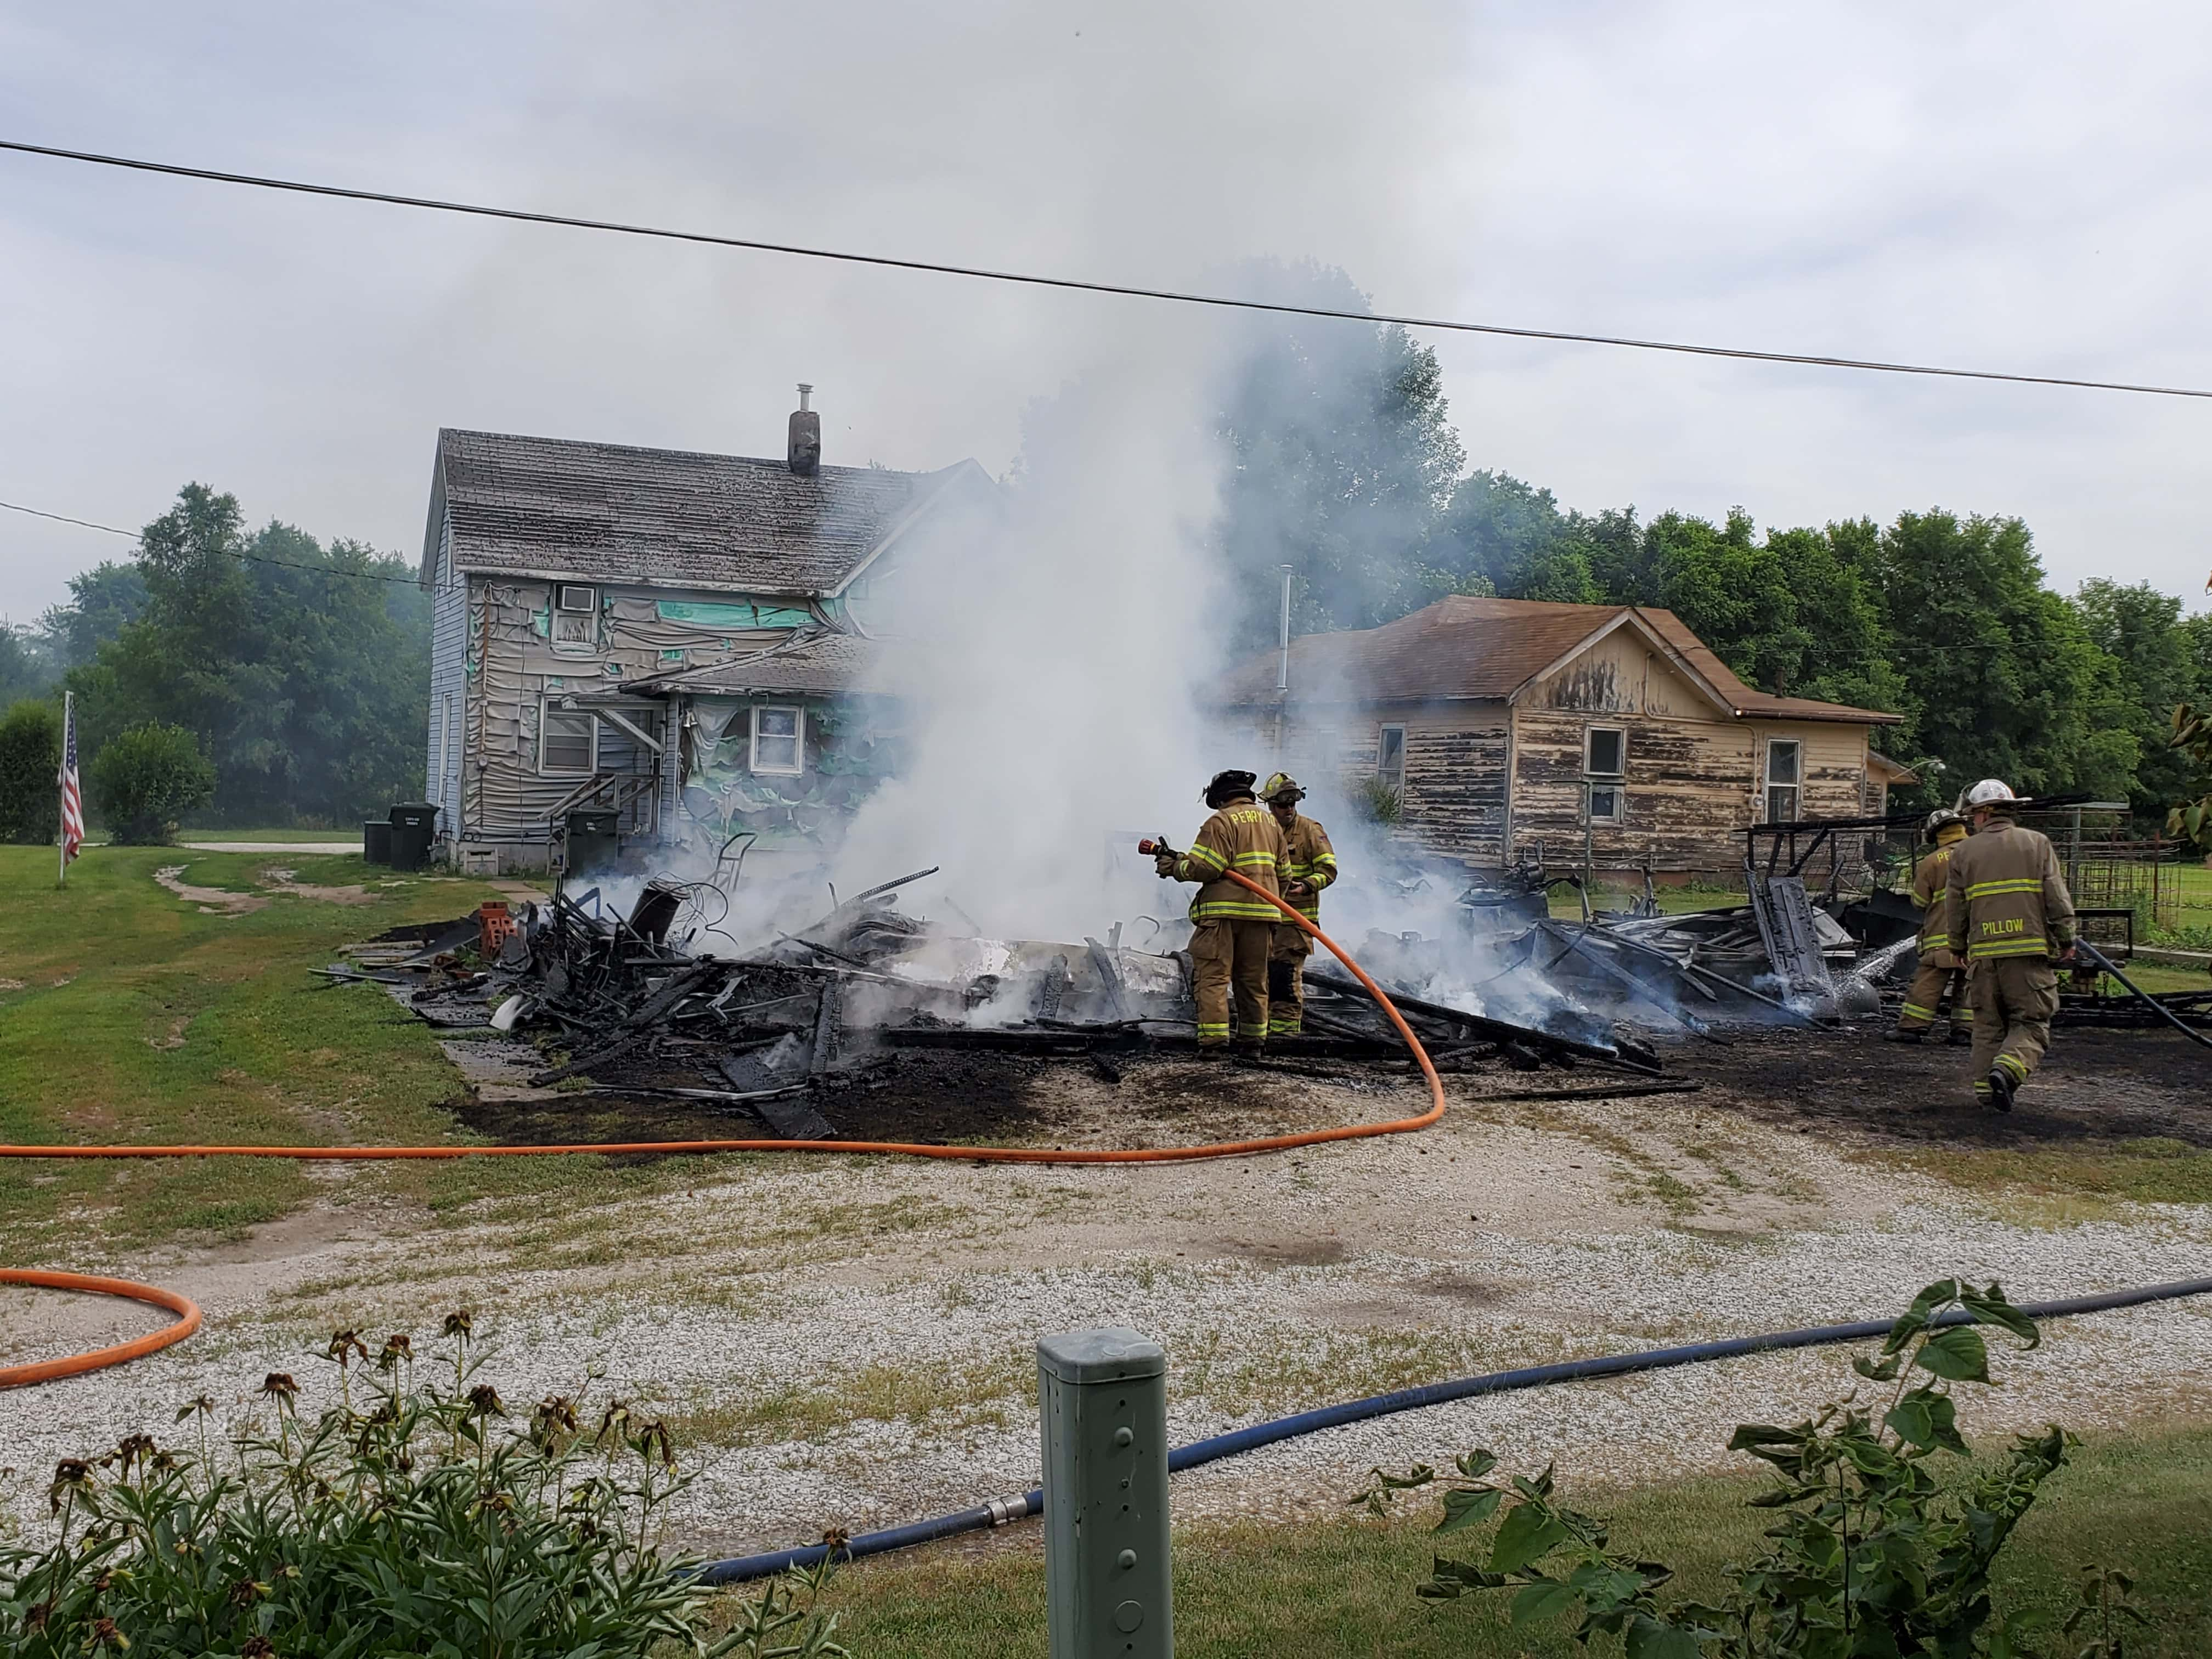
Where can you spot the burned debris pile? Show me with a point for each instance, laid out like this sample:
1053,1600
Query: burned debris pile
629,999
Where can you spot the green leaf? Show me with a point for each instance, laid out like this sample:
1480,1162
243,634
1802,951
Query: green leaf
1886,1372
1647,1638
1547,1598
1469,1508
1476,1464
1926,1418
1749,1436
1991,1308
1957,1354
1530,1533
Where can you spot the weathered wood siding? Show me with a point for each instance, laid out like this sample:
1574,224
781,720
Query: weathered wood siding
511,667
1694,776
1455,767
447,720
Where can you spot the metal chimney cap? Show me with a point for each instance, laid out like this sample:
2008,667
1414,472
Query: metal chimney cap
806,391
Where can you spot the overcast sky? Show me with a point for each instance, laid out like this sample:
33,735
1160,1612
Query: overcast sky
1985,182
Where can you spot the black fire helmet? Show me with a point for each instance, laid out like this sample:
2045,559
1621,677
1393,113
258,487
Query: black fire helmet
1225,786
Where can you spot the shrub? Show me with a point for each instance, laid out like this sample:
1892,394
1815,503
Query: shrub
30,758
422,1519
1873,1554
144,779
1378,802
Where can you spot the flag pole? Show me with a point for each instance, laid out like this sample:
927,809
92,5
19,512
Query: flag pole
61,787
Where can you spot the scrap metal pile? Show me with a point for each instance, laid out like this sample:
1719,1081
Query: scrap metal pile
627,1000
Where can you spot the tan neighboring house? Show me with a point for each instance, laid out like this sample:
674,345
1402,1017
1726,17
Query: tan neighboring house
1512,728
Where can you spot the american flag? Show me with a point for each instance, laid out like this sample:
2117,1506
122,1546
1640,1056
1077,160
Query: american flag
72,796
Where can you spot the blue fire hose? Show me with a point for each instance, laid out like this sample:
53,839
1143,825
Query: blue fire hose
1000,1512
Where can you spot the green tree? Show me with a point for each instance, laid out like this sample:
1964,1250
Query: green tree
1342,458
30,761
2143,631
2006,678
24,670
1509,537
102,601
302,668
145,779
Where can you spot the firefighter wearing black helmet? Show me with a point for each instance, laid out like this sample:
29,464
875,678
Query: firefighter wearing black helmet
1235,927
1939,972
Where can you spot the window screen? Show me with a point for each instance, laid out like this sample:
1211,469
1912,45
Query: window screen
1605,803
564,741
1390,756
777,734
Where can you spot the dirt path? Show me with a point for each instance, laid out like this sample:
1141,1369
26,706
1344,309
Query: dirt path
851,1340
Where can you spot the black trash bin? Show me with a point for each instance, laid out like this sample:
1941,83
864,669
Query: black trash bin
593,840
414,827
376,840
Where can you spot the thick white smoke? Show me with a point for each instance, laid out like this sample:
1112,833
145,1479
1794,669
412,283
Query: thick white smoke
1050,655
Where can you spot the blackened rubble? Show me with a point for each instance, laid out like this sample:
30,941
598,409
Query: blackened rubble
623,1001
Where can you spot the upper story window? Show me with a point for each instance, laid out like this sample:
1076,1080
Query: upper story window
1605,770
575,619
1784,779
779,739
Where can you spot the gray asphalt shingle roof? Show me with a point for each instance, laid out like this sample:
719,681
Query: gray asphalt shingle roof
669,517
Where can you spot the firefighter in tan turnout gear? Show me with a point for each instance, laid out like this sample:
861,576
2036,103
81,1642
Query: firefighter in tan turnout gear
1235,928
1939,969
2010,916
1308,866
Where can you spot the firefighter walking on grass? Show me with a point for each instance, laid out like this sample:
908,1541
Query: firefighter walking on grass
1939,969
1235,928
1308,866
2010,916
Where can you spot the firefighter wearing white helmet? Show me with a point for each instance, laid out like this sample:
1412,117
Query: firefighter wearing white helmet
2008,913
1308,866
1939,971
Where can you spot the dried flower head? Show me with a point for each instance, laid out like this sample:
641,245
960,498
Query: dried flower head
484,1401
398,1346
837,1538
257,1647
71,1474
279,1386
460,1322
106,1635
247,1591
134,1449
345,1347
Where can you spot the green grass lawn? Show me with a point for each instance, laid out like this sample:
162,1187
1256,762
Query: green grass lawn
1345,1587
127,1016
343,832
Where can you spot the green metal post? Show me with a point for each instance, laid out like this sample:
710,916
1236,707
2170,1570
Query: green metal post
1102,1399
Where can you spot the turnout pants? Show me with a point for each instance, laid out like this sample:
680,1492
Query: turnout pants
1231,955
1286,986
2014,998
1938,970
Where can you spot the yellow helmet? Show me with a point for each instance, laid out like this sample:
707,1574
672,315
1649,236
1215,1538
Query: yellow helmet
1281,785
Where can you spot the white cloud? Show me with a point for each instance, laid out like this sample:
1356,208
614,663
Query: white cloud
1979,182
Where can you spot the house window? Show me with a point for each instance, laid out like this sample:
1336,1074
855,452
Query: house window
566,740
1390,758
1605,768
575,619
779,738
1783,780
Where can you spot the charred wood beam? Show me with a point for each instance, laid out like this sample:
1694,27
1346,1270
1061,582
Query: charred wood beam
1523,1036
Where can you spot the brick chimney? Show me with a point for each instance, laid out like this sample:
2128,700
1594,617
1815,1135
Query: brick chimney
805,449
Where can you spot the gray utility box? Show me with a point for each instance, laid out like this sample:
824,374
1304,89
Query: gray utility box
1103,1396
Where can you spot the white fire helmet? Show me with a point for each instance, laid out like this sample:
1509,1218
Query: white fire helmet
1989,791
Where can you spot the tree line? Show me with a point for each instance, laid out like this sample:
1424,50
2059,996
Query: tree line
262,676
1346,467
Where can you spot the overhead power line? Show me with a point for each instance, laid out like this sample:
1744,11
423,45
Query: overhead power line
251,558
1811,360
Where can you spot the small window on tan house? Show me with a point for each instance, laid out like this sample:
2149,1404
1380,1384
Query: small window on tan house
566,740
1784,780
1390,758
1605,770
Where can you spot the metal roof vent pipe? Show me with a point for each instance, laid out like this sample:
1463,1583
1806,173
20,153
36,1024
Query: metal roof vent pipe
805,449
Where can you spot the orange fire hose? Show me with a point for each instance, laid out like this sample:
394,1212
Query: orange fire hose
49,1370
116,1356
